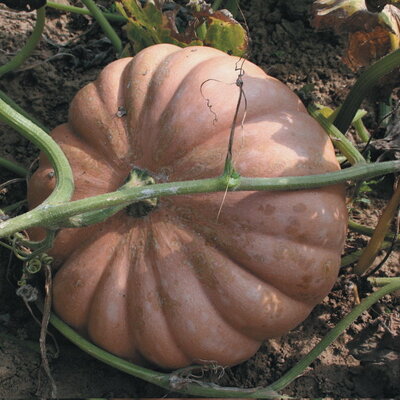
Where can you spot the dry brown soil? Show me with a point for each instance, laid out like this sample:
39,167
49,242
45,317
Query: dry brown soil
363,363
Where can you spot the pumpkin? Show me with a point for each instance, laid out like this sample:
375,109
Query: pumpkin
180,286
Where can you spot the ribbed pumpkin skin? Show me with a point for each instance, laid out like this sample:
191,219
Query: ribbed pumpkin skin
178,286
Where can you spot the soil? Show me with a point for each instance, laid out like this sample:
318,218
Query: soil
363,362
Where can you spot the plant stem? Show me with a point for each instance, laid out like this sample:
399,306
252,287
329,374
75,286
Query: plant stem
83,11
105,25
65,181
355,255
54,215
175,382
339,140
12,207
385,110
30,45
361,130
364,85
369,254
163,380
17,169
382,281
366,230
19,109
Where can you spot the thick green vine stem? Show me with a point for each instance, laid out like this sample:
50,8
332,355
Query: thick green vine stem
179,382
19,109
65,181
355,255
55,216
105,25
366,230
339,140
364,85
361,130
379,282
30,45
83,11
370,252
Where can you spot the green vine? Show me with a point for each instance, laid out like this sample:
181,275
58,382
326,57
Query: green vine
56,215
364,85
176,381
84,11
30,45
105,25
339,140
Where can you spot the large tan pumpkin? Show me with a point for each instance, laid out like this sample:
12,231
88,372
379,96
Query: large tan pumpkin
179,286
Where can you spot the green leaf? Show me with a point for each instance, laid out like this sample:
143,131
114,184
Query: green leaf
225,34
141,28
155,23
370,35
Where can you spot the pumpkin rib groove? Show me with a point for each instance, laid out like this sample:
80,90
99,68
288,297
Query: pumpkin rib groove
135,299
108,307
213,149
300,242
159,78
183,311
168,114
204,286
224,248
70,279
103,99
132,296
200,216
164,298
137,117
240,267
150,341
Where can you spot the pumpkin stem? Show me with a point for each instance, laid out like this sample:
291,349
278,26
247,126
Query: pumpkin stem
139,177
136,178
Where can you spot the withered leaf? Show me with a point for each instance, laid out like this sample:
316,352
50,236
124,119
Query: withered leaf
370,35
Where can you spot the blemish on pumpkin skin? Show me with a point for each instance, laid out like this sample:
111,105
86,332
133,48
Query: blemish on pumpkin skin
267,209
327,267
299,208
293,228
204,271
78,284
166,301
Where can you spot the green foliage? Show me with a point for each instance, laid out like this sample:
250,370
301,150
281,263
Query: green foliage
197,24
365,188
147,25
226,36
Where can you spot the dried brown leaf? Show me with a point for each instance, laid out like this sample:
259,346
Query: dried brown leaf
370,35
